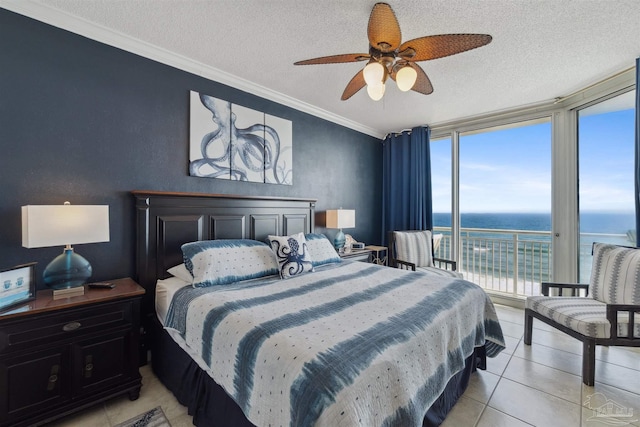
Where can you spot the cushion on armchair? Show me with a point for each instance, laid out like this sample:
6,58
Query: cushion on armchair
615,274
414,247
584,315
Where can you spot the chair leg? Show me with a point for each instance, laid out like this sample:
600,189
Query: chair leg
588,362
528,327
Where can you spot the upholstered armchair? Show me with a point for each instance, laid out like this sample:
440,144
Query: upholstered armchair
606,315
413,250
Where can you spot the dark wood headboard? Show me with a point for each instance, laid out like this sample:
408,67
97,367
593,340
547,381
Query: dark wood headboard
167,220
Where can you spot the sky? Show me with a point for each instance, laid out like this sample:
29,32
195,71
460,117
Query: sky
509,170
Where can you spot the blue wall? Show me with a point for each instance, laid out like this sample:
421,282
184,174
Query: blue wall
85,122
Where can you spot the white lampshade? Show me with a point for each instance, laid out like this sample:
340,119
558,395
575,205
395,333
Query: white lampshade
406,78
58,225
341,218
376,92
373,73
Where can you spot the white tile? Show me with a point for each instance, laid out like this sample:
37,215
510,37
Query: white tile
496,365
94,416
509,314
511,343
511,329
548,356
493,418
534,406
555,382
557,340
591,418
465,413
152,394
619,356
594,396
481,386
618,376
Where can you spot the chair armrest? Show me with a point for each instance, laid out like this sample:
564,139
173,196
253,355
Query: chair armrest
404,265
452,263
562,286
612,316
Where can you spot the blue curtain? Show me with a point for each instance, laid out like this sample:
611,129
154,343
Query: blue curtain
406,182
638,152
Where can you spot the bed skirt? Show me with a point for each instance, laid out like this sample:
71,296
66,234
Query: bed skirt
210,405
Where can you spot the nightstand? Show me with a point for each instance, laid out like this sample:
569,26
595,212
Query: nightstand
61,356
356,255
378,254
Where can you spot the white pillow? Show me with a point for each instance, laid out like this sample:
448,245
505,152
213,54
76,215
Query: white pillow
180,271
321,249
219,262
292,255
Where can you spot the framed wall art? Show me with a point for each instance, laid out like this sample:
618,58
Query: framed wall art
229,141
17,285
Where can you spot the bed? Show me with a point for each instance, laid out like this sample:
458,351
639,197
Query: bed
338,346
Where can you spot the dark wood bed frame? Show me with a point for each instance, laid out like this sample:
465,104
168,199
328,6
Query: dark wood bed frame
167,220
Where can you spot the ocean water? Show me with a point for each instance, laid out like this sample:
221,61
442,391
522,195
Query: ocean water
590,222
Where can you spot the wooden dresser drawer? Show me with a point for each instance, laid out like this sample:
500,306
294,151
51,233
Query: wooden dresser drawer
64,325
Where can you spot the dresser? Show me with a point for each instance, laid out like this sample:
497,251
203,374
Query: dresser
58,356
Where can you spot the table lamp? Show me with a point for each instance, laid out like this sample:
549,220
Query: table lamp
340,218
55,225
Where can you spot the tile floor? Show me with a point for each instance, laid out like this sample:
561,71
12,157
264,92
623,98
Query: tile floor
537,385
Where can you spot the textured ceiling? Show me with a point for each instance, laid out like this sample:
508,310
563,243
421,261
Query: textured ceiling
541,49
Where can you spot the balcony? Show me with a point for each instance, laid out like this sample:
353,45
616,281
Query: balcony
514,262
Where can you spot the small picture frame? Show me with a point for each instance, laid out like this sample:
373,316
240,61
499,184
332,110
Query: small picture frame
17,285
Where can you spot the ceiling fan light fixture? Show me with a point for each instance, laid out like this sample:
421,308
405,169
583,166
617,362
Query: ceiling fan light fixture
389,57
373,73
376,91
406,78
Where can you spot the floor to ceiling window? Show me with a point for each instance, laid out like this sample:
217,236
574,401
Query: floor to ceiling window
606,175
505,206
524,193
441,190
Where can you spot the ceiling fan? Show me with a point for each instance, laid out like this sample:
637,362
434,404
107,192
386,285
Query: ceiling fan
389,58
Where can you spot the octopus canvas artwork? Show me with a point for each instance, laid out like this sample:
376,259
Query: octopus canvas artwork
229,141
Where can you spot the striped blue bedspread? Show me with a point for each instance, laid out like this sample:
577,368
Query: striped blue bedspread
352,344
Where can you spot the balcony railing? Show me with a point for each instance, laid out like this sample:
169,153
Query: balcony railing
513,262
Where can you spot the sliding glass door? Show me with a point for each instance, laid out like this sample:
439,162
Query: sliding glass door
505,207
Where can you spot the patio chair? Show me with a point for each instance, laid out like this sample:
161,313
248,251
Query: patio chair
413,250
606,315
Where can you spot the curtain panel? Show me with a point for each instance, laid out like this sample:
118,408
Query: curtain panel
406,182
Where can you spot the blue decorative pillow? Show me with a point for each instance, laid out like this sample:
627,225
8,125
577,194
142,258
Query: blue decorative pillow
219,262
292,254
321,249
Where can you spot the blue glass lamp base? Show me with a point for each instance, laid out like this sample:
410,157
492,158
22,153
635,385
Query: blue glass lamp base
68,270
338,241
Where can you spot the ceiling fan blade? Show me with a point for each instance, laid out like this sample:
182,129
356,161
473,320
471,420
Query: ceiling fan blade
383,30
433,47
356,83
423,84
335,59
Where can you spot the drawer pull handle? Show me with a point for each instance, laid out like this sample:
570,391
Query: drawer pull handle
53,377
88,366
71,326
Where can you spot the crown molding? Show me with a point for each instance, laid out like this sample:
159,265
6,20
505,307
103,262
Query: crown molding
57,18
